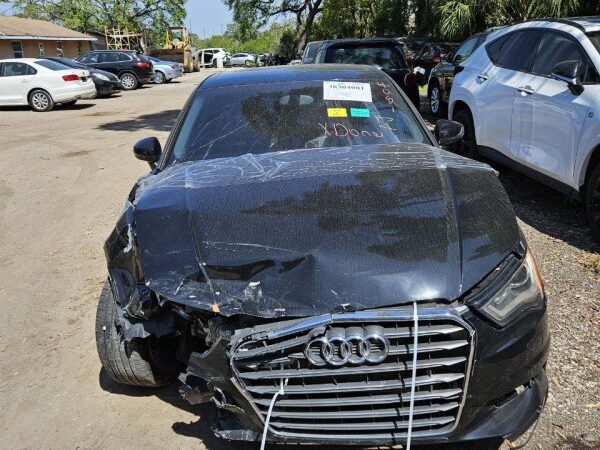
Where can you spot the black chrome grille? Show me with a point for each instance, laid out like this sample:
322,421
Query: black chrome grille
367,401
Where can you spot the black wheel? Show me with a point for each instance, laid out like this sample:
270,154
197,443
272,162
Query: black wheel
468,145
247,63
40,101
159,77
129,82
142,362
434,95
592,202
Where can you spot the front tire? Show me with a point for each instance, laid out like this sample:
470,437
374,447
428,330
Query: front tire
131,362
159,77
129,82
592,203
434,95
468,146
40,101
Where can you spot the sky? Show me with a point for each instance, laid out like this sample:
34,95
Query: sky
207,17
204,17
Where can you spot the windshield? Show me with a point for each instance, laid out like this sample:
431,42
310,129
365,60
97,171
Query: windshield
52,65
233,121
384,56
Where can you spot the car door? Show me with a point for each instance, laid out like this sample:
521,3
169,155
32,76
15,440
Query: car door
15,80
547,116
511,56
108,61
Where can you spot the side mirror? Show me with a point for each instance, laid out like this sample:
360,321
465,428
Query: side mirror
567,71
148,149
448,132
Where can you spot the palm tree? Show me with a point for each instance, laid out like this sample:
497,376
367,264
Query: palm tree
460,18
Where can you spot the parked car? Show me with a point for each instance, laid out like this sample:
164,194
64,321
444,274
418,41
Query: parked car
315,258
412,46
442,75
207,57
385,53
529,98
41,83
165,71
106,83
431,55
310,51
243,59
132,68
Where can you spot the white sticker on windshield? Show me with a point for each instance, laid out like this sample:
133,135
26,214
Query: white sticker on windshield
344,90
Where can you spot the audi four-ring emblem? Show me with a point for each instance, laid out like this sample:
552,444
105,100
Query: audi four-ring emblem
352,345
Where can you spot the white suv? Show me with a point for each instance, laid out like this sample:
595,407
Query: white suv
530,98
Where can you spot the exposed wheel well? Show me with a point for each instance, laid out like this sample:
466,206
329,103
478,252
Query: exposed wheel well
31,91
591,165
459,106
129,72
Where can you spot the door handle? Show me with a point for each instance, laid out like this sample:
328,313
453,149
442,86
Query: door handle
526,89
483,76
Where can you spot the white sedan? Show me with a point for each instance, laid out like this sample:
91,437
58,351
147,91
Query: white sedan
41,83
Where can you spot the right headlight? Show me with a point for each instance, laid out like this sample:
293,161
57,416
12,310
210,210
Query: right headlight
100,76
523,290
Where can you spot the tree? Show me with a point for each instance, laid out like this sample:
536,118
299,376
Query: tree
253,14
362,18
461,18
153,15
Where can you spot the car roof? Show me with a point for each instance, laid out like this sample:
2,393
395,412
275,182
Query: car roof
590,23
24,60
291,73
375,40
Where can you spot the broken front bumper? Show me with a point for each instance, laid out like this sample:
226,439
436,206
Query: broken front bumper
473,381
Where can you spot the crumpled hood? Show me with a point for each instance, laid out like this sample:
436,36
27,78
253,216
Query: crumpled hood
307,232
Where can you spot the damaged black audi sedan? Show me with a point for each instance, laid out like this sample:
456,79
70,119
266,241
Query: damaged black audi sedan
305,256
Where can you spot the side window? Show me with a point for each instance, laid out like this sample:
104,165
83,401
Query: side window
517,50
557,47
108,57
90,58
465,50
122,57
14,69
31,70
493,49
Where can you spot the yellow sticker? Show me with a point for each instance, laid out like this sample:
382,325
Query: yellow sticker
337,112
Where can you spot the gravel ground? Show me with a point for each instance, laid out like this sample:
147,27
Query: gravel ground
557,232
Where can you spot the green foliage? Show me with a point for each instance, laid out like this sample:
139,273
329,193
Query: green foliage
362,18
461,18
90,15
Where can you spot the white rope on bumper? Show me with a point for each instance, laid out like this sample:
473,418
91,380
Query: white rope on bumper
265,430
414,373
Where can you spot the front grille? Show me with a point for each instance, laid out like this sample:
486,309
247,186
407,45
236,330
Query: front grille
367,402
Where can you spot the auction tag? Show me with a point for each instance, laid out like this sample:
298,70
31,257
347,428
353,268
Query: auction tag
337,112
348,91
360,112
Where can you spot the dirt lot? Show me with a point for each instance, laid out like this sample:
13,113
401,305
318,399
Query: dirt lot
65,175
